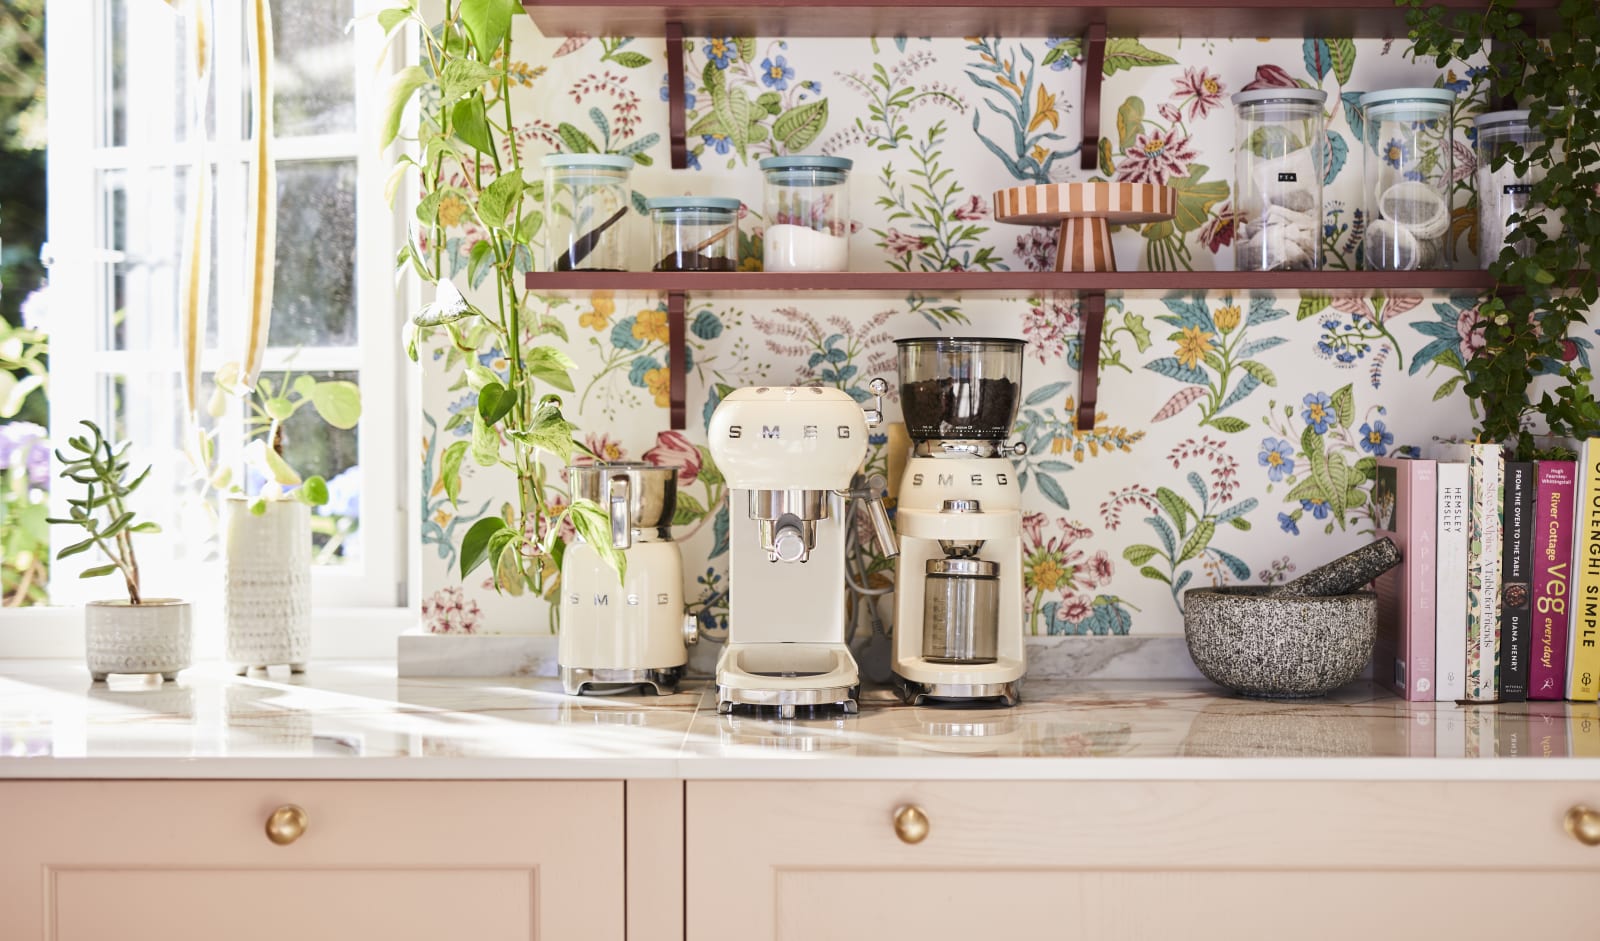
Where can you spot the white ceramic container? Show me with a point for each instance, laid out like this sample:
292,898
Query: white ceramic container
267,591
152,637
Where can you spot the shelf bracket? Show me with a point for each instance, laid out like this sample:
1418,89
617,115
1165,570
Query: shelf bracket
1092,311
677,119
677,359
1094,63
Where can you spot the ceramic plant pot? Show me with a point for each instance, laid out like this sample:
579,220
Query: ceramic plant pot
1279,646
152,637
267,590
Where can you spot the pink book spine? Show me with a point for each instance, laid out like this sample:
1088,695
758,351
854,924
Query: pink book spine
1421,509
1552,577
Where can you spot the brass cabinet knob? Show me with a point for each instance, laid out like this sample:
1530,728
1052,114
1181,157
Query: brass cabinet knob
286,824
910,824
1584,825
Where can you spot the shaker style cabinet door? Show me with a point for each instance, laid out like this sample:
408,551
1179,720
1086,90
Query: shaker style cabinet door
310,861
954,861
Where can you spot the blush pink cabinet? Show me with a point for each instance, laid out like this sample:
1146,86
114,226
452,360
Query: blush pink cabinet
398,861
1136,860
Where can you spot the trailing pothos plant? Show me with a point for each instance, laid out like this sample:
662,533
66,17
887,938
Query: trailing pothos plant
467,158
1552,288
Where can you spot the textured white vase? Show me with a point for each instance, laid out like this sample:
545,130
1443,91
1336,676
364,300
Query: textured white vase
151,637
267,591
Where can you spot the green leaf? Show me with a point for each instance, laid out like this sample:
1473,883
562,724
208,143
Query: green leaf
470,123
1066,48
575,141
278,407
1176,507
448,307
487,22
631,60
475,544
495,401
747,48
688,510
1333,477
1134,324
75,548
1229,424
1312,305
498,197
1260,371
338,402
771,102
1198,540
1150,571
733,106
461,77
1344,404
482,252
798,127
528,227
1196,199
390,18
450,470
1343,54
1125,52
1140,554
1240,523
146,527
485,442
1446,388
551,432
97,571
1130,118
314,492
401,88
594,527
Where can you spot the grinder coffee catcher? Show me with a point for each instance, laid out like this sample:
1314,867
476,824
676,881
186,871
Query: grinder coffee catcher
958,581
634,632
789,455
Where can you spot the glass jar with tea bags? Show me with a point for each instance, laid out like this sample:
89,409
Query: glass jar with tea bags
1279,160
1407,172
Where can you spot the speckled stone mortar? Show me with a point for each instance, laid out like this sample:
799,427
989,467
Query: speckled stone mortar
1281,646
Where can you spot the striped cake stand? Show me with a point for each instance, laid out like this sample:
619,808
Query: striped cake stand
1085,212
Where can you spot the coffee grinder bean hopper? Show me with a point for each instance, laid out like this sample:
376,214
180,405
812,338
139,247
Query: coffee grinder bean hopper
958,580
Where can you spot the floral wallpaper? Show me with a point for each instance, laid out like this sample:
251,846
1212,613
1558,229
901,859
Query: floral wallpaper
1237,433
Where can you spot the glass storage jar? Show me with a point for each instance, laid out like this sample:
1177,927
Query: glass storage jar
1407,172
586,205
695,233
807,209
1278,165
1503,192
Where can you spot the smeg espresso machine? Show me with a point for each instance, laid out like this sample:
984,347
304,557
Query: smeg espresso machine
789,455
958,580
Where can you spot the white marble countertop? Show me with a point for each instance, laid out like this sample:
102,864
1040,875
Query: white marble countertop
346,720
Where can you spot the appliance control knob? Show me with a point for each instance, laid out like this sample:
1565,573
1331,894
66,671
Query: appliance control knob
286,824
910,824
691,630
788,545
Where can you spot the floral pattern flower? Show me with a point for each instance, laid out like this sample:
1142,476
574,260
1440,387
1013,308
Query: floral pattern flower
1318,411
1288,524
1198,91
775,73
1219,230
1193,345
658,383
1375,438
1226,317
651,325
674,449
722,51
1157,158
1317,507
902,243
601,306
718,141
450,611
1277,456
1396,152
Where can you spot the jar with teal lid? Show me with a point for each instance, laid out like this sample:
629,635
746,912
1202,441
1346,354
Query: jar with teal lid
695,233
1408,170
807,211
586,205
1279,162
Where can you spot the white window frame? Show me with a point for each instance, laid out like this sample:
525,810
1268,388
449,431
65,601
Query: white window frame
367,602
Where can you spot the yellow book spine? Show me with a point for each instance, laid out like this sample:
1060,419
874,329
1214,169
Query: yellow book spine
1583,720
1584,637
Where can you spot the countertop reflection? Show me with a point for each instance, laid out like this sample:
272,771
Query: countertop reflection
210,724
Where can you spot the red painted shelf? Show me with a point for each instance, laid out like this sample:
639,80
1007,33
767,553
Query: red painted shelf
1241,18
978,284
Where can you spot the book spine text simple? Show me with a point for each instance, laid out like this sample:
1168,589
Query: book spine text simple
1583,682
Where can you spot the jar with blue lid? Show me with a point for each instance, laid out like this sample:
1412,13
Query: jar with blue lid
586,205
1408,170
695,233
807,211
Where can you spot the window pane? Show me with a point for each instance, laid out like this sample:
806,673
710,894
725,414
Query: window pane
316,92
313,447
143,208
313,294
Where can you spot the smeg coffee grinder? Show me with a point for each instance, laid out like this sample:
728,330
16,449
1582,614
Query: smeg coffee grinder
789,454
631,633
958,580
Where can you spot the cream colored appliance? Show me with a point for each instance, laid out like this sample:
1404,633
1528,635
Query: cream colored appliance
631,632
789,455
958,580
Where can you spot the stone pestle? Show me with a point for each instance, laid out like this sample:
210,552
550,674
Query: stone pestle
1343,575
